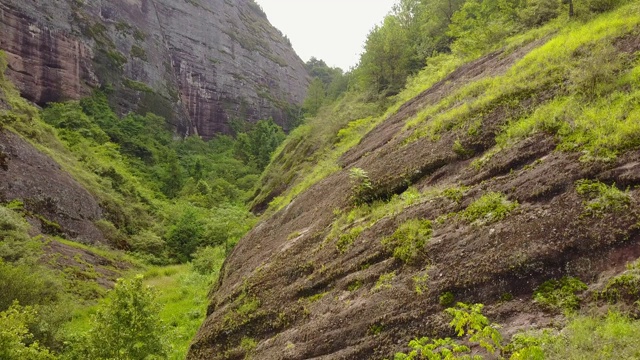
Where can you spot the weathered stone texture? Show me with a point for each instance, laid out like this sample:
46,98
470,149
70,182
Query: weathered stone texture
205,62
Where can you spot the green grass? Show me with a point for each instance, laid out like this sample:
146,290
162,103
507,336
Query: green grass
589,114
489,208
182,294
600,198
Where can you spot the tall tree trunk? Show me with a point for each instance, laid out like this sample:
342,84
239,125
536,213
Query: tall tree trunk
570,8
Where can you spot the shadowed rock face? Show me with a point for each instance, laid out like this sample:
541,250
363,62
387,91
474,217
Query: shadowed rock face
47,191
200,64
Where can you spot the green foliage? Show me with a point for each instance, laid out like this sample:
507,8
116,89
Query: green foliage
384,282
623,287
361,187
455,193
408,241
208,260
127,325
560,294
490,207
601,199
468,321
185,234
316,96
16,342
446,299
613,336
345,240
538,12
421,283
258,144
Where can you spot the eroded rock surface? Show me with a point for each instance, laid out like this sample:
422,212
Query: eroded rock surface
200,64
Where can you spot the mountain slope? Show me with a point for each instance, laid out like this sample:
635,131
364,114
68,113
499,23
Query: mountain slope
517,168
199,64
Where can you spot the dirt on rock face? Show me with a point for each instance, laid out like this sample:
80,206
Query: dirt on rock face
57,203
290,289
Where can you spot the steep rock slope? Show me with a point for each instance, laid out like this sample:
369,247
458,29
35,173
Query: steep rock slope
502,168
200,64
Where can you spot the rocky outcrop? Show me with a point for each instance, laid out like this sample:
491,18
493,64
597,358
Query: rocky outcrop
54,202
198,63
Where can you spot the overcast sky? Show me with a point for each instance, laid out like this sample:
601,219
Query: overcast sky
331,30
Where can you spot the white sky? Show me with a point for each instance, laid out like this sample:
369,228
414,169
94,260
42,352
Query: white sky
331,30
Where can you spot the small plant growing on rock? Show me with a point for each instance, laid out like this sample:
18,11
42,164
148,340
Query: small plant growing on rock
489,208
361,187
468,321
624,287
600,198
384,281
446,298
408,241
345,240
560,294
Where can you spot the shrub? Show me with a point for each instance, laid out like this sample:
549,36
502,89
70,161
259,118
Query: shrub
208,260
126,325
624,287
538,12
16,342
361,188
384,281
600,198
28,284
408,241
560,294
490,207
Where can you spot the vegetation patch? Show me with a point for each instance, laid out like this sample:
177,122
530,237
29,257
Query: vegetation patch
601,198
384,282
624,287
490,207
408,241
560,294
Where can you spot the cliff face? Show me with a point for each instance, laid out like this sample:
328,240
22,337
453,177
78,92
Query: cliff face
429,208
198,63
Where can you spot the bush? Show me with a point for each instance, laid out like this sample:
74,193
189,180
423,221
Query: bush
361,188
208,260
538,12
126,325
600,198
28,284
16,342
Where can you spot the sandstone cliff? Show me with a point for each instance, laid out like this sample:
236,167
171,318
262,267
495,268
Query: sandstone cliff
198,63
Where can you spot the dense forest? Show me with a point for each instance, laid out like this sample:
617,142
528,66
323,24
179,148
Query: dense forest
174,208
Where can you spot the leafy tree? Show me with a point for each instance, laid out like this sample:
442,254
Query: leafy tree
257,144
482,23
185,235
127,325
16,342
316,96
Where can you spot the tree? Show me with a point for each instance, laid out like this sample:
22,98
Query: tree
257,144
15,335
315,97
127,325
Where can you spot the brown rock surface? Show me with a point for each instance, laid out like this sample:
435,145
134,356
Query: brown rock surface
288,287
203,63
47,190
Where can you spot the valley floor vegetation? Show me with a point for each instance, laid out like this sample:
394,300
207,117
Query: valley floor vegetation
172,210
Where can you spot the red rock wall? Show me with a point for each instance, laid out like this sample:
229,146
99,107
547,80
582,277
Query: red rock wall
46,65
